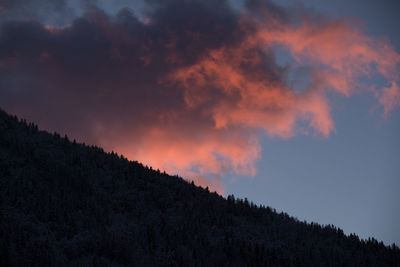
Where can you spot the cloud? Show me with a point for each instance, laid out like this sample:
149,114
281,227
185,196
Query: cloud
189,87
390,98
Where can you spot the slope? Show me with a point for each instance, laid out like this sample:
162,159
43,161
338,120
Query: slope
68,204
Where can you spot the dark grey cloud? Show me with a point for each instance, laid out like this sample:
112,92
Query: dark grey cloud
185,85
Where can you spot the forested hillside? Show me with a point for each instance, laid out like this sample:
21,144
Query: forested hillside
67,204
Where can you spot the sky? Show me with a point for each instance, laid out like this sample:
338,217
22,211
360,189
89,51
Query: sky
292,104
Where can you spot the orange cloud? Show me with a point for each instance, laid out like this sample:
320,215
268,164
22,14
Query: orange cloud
202,155
341,55
250,98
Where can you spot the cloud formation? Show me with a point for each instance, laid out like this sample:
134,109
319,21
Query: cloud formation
192,86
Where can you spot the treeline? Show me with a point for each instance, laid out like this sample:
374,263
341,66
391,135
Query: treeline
67,204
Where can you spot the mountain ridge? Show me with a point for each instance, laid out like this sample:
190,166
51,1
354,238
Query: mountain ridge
67,204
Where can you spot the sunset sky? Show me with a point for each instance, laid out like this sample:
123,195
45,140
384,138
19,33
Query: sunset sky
294,105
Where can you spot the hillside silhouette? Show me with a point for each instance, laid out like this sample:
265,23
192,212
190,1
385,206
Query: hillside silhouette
67,204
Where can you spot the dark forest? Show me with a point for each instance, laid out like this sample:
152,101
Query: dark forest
63,203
